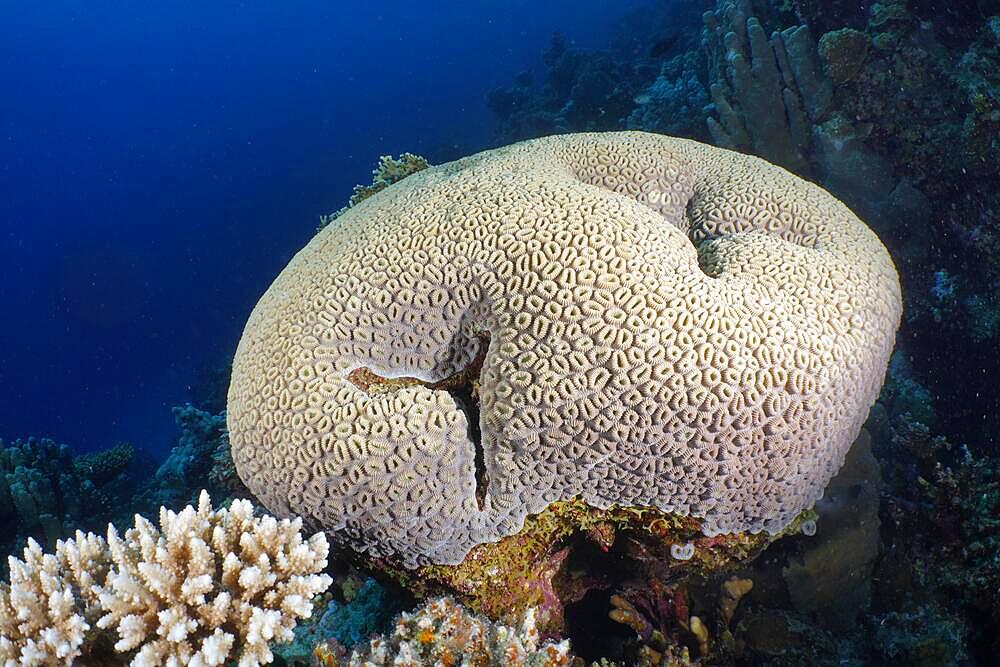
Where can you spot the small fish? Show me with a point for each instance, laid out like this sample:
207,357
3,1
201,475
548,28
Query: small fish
663,46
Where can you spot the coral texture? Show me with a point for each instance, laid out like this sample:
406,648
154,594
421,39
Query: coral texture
442,632
208,582
654,322
51,601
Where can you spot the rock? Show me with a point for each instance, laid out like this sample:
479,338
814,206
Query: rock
571,548
850,169
843,53
832,580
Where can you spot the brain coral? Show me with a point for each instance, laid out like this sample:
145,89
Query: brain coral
643,320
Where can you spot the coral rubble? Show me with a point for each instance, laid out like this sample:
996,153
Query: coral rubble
442,632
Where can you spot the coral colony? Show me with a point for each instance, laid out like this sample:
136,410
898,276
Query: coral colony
625,367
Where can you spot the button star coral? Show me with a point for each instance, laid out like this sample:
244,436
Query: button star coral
620,319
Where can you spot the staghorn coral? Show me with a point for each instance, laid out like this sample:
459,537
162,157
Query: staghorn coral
442,632
209,585
51,602
618,368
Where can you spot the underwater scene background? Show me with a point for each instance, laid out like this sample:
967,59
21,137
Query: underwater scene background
162,163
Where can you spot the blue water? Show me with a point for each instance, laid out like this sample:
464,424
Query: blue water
161,162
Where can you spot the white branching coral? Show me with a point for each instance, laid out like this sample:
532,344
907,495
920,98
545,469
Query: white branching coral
208,585
442,632
51,602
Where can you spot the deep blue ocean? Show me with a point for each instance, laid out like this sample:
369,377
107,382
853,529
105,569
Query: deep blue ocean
161,162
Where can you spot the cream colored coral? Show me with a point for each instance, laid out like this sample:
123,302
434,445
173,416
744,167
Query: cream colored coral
50,603
210,585
442,632
669,324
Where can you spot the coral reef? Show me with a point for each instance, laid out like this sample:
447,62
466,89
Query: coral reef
442,632
205,587
923,637
199,460
39,488
843,53
360,616
946,531
674,102
103,466
892,106
569,549
582,91
645,81
364,610
46,492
